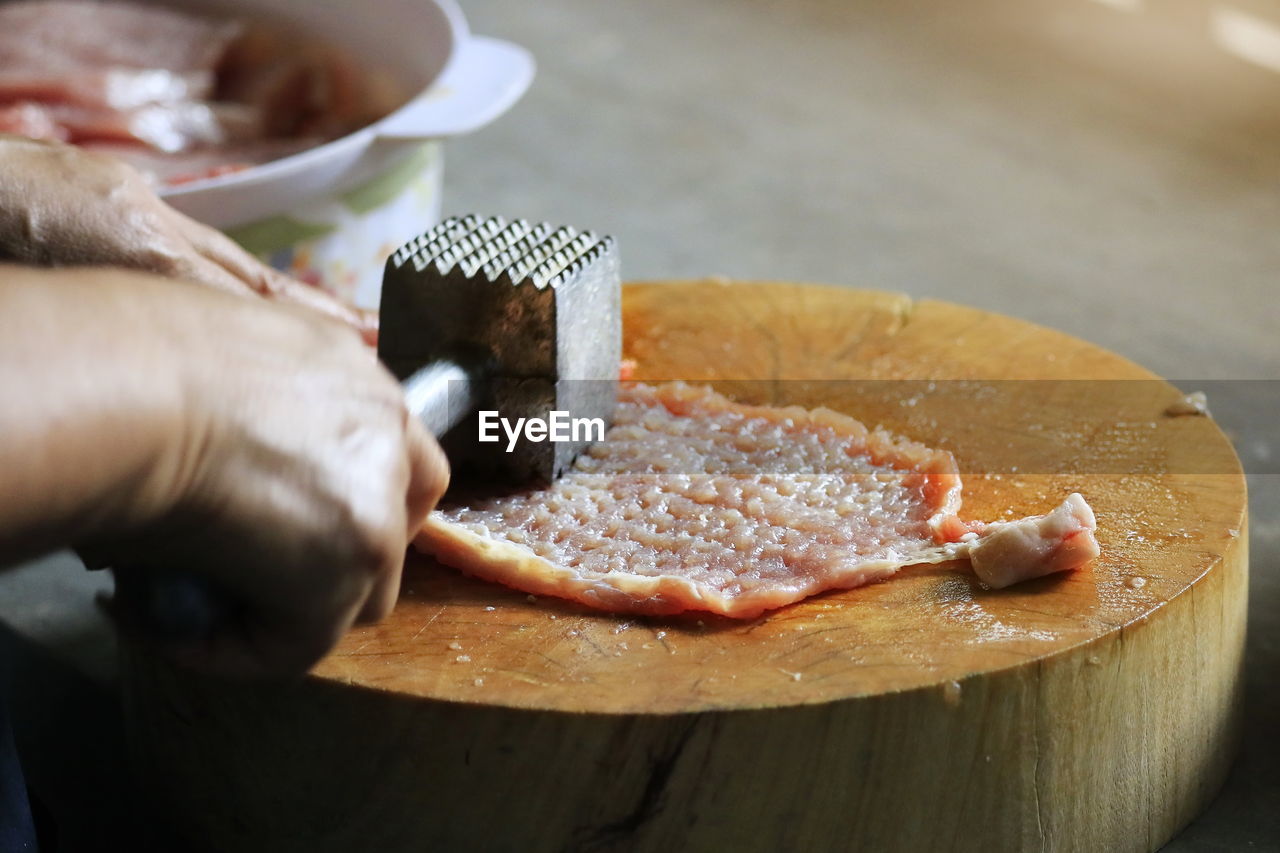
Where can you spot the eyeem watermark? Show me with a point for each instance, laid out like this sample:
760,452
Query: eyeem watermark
558,426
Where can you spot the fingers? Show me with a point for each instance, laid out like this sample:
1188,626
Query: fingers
428,474
224,252
282,646
428,477
296,292
385,589
311,481
203,271
264,646
116,219
229,631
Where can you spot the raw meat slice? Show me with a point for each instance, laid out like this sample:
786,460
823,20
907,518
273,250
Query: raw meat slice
117,71
694,502
165,127
188,166
110,88
69,35
32,121
121,74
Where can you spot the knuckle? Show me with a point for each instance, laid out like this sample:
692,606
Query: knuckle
153,251
303,648
374,548
318,643
163,261
377,610
264,280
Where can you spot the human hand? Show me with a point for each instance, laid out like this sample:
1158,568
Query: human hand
293,481
64,206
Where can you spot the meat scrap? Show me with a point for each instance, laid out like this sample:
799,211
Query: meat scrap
1012,551
695,502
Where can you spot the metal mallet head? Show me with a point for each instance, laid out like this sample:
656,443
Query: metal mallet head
520,318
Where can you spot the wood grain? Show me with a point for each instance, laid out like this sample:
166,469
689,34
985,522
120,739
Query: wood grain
1094,711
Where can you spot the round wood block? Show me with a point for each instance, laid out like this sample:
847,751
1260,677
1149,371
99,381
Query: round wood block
1089,711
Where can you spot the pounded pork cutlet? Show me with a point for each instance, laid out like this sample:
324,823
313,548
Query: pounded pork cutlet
695,502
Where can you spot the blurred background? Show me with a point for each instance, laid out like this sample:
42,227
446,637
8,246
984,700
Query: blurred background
1110,168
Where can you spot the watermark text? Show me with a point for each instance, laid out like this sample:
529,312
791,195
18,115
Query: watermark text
558,426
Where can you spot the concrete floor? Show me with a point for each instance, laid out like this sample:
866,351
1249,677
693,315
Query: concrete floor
1109,168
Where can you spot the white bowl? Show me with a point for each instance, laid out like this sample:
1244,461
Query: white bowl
333,213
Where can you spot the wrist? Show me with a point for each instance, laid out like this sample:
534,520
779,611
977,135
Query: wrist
92,415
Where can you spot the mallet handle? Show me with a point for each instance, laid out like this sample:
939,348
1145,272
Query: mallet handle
442,394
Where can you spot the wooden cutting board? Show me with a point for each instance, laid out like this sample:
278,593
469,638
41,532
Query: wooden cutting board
1093,711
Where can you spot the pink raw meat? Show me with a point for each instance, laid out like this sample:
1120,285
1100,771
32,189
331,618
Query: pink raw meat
109,88
167,128
71,35
187,166
694,502
86,71
164,127
132,76
32,121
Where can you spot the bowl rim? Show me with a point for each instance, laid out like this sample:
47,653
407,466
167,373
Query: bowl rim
357,140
